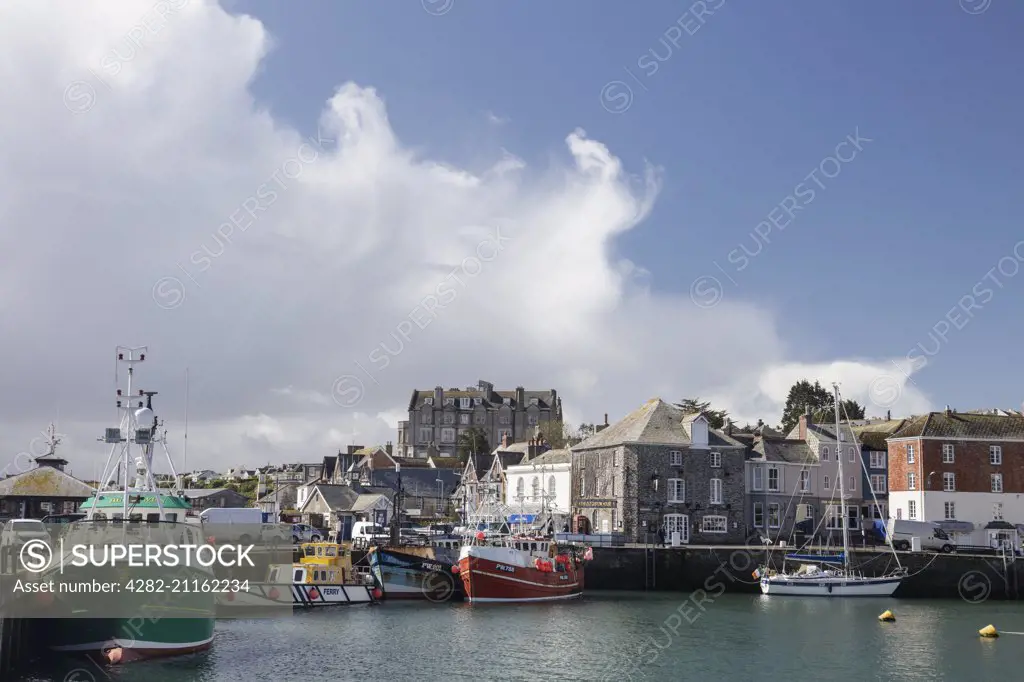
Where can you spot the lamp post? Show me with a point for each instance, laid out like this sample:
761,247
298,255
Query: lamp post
440,493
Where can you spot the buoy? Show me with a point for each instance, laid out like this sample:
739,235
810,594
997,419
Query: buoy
314,594
274,594
455,568
113,656
989,631
887,617
377,594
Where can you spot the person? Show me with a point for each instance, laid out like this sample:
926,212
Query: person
661,535
565,527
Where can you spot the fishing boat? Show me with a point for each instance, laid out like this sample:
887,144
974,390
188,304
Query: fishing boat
829,575
521,569
129,508
418,572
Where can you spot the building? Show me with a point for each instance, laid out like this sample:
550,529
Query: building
46,489
784,486
437,417
963,470
278,500
871,435
660,468
206,498
539,483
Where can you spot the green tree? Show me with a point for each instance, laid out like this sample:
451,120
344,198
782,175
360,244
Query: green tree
472,440
803,394
716,418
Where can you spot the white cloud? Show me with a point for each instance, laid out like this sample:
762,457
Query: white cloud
339,246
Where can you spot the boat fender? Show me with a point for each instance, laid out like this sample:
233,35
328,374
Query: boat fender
455,568
551,552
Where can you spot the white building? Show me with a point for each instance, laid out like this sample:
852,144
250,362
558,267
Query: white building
545,480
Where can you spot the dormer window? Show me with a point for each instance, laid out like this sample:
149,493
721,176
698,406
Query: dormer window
464,403
428,401
533,401
507,401
449,401
478,401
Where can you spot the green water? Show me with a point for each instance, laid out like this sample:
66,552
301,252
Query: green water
604,636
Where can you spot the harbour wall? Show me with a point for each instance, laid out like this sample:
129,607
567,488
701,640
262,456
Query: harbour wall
972,578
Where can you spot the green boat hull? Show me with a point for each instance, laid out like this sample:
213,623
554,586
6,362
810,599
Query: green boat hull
138,638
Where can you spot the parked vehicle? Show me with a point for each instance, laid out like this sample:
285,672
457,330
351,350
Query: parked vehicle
62,518
932,536
302,532
369,532
242,523
436,529
20,531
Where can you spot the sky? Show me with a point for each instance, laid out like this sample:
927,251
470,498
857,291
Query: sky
309,211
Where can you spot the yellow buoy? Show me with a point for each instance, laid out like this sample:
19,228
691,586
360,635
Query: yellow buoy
887,617
988,631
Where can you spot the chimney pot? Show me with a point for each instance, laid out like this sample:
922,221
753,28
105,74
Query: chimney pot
606,419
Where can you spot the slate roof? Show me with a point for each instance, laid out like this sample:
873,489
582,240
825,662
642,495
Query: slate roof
960,425
447,462
278,494
481,463
561,456
338,497
415,481
873,436
784,450
194,493
45,482
492,400
656,422
367,501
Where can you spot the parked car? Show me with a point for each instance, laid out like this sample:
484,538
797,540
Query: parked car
436,529
409,536
932,536
369,533
302,532
19,531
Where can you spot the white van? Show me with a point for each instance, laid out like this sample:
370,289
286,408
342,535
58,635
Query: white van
932,536
238,523
369,532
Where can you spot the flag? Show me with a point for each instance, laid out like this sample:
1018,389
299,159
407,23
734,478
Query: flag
757,574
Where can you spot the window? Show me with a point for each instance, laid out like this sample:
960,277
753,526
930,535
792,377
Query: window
774,516
716,491
531,419
533,401
878,484
948,481
758,477
449,419
758,514
551,485
464,419
824,454
716,460
479,418
583,482
447,435
878,511
997,511
428,401
713,524
853,454
805,480
675,458
911,509
478,401
825,482
911,481
676,490
521,487
611,488
535,487
853,483
773,479
504,419
910,454
947,453
877,460
426,435
950,509
995,454
832,517
507,401
449,401
997,483
427,418
464,403
615,458
676,523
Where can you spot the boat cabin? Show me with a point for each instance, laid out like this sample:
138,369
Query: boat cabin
310,574
447,542
327,553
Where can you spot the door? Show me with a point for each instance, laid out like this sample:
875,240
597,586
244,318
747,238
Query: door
677,523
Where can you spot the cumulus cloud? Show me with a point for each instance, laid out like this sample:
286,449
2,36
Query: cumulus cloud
309,280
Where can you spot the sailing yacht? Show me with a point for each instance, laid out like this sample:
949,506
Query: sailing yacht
830,575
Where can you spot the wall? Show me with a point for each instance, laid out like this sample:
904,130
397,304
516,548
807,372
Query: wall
563,484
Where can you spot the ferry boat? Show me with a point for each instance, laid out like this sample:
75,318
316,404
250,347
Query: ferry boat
521,569
168,626
323,576
414,572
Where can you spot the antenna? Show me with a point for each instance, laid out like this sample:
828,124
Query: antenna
184,447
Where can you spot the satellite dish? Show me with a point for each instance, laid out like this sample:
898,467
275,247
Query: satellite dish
144,416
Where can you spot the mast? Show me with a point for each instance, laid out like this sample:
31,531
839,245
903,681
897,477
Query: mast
843,521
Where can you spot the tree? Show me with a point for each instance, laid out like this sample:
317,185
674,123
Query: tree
472,440
560,435
803,395
716,418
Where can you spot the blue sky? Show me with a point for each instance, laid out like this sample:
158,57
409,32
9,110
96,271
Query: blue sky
736,115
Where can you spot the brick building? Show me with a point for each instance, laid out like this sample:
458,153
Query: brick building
660,467
964,470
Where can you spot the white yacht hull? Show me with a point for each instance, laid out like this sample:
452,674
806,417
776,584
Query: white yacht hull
831,586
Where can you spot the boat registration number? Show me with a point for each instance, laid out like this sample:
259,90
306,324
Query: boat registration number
427,566
563,577
507,569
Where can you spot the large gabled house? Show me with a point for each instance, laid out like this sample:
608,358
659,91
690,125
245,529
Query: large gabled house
660,468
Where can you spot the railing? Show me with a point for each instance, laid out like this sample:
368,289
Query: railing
595,540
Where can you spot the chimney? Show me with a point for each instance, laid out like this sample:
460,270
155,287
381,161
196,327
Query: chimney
728,427
601,427
805,421
948,411
520,398
438,395
888,415
388,448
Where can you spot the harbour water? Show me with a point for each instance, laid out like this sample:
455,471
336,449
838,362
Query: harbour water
604,636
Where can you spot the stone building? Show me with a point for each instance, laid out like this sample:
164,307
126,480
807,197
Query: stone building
437,417
660,467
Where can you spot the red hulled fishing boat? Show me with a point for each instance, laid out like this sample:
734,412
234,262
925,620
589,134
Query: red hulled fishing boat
521,569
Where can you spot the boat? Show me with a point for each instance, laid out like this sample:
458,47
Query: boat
323,576
128,507
418,572
521,569
829,575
